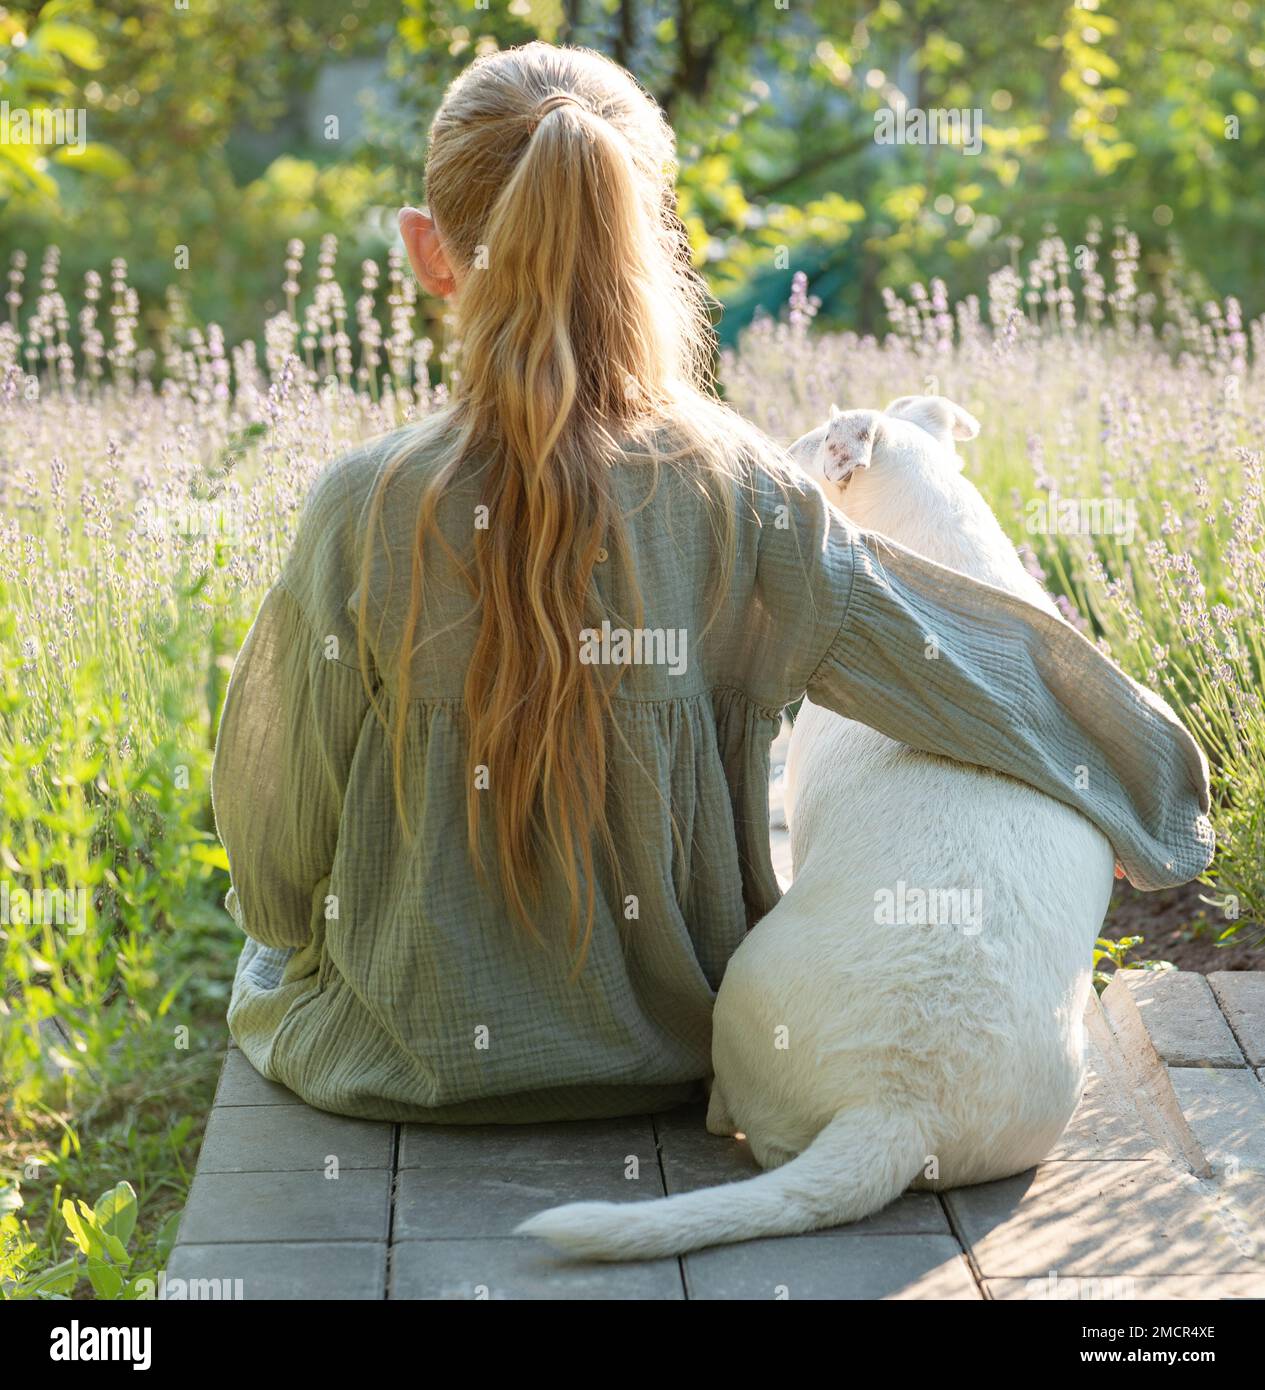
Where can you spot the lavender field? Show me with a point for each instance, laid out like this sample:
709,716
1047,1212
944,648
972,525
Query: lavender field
150,481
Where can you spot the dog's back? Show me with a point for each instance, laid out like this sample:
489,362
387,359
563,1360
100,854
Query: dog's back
946,916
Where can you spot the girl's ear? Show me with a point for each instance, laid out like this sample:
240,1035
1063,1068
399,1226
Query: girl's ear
426,252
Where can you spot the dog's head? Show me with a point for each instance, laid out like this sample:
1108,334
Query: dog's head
860,449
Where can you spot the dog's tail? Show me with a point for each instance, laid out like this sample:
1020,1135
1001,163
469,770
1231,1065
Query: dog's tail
863,1159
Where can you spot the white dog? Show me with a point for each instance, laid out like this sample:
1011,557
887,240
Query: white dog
910,1012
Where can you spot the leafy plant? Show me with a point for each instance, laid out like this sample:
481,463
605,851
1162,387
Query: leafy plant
101,1235
1117,952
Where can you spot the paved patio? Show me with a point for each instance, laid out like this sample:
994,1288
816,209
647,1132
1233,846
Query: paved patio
1155,1191
300,1204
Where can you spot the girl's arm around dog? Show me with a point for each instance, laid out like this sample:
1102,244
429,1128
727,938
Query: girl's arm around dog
956,667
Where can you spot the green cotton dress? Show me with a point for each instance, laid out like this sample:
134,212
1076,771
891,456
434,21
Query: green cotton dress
382,977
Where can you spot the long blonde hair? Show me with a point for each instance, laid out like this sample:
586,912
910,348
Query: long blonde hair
584,337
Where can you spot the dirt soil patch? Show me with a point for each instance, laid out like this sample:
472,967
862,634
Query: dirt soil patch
1180,928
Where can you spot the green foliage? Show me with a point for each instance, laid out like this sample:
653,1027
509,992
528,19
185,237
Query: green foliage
106,839
42,70
1117,953
100,1235
115,954
1144,110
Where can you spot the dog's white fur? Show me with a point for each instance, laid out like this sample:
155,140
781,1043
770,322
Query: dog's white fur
860,1058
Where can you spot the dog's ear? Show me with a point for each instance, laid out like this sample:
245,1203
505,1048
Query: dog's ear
965,425
850,440
805,449
942,418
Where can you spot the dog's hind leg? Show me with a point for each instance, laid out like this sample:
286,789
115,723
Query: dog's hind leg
719,1120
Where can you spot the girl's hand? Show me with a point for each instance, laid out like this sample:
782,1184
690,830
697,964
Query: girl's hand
1119,869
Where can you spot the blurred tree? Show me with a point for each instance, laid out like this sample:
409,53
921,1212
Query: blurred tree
1145,111
37,74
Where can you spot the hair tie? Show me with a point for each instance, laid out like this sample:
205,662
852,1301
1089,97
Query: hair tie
552,103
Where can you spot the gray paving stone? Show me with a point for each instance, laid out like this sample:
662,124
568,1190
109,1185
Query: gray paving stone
1132,1065
482,1200
1106,1124
1101,1219
912,1213
1182,1018
259,1207
342,1270
290,1138
1238,1213
587,1142
241,1084
262,1211
522,1269
729,1162
832,1267
1241,994
1164,1286
693,1158
688,1122
1226,1110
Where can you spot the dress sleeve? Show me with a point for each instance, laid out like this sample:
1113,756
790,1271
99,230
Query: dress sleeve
956,667
292,718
